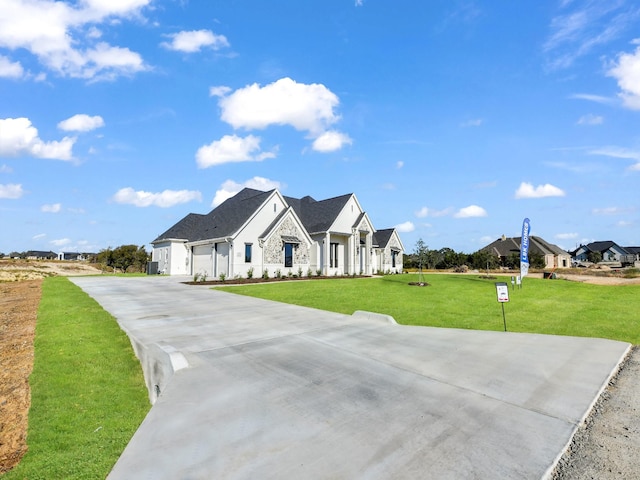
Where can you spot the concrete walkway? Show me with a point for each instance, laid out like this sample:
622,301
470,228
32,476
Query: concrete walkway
253,389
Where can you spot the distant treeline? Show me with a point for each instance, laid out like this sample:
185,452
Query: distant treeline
446,258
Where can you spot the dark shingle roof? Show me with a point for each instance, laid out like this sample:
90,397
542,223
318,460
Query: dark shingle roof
603,246
223,221
381,237
318,216
537,246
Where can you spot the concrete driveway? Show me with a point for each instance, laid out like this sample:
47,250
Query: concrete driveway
251,389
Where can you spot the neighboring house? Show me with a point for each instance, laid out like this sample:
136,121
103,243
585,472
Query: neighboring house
40,255
610,251
635,251
257,231
74,256
554,256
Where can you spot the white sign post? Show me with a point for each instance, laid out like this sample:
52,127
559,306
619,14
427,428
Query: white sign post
502,291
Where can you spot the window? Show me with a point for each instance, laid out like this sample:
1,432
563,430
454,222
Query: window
394,254
333,255
247,253
288,255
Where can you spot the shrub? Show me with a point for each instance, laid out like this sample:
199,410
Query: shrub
222,277
265,274
309,272
278,273
289,274
250,272
300,272
319,272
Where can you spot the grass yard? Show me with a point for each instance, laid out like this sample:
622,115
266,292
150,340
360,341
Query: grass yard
556,307
88,395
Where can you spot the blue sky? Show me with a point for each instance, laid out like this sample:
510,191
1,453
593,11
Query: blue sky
451,120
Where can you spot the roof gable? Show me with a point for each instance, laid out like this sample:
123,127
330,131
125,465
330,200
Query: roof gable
318,216
223,221
504,247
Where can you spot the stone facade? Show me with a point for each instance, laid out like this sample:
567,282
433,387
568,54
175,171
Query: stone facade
274,247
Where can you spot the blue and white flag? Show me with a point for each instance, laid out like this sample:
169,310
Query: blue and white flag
524,248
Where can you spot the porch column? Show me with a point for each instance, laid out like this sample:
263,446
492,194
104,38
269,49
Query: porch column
368,242
327,243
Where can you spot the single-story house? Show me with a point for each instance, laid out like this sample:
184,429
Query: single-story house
610,252
75,256
255,231
40,255
554,256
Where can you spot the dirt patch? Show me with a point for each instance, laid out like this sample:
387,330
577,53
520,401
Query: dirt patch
18,309
607,444
12,270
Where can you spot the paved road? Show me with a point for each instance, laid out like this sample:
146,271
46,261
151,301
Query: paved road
256,389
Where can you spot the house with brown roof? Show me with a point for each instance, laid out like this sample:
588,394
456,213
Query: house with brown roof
554,256
255,231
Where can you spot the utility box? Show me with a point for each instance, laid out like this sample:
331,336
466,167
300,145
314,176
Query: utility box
152,268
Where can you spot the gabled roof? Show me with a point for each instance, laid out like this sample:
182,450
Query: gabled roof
381,237
222,221
504,247
634,250
318,216
603,246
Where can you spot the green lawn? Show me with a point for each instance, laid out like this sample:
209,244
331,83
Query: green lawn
557,307
88,395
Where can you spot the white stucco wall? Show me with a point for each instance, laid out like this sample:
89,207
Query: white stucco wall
172,256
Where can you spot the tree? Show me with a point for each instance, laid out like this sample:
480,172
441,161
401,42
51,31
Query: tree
594,257
482,260
421,253
124,257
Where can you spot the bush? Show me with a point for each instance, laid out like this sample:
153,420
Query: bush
265,274
222,277
250,272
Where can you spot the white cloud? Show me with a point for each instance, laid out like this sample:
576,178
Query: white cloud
405,227
527,190
61,242
331,141
619,152
594,98
53,32
578,31
399,164
12,191
219,91
609,211
194,40
470,212
9,69
229,149
39,236
476,122
52,208
230,188
19,137
627,72
81,123
164,199
285,102
422,213
590,119
5,169
566,236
